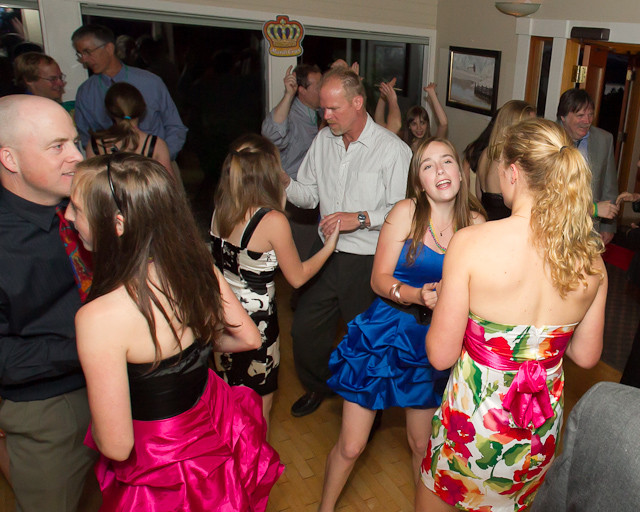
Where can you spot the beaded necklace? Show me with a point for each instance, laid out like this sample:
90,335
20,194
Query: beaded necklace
435,238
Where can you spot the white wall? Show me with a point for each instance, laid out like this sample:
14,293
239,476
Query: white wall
483,26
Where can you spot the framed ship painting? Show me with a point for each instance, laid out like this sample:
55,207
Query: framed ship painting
473,79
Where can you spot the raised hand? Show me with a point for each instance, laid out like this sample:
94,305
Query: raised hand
290,82
387,90
430,88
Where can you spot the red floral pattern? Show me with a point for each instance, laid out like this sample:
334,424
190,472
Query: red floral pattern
478,458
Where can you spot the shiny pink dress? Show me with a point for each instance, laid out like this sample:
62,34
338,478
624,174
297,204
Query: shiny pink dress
211,456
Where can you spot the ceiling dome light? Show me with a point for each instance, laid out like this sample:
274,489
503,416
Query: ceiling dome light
517,9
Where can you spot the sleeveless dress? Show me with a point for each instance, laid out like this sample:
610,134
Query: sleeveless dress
199,444
495,434
148,147
381,362
251,277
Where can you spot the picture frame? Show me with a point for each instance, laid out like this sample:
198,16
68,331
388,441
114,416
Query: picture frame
473,79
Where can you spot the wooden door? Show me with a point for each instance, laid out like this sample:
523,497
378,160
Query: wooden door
594,58
628,139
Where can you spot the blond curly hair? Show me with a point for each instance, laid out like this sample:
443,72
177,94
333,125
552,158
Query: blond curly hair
559,179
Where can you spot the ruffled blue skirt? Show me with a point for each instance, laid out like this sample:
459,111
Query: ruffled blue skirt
381,362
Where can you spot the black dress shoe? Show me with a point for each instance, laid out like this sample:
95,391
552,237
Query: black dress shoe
306,404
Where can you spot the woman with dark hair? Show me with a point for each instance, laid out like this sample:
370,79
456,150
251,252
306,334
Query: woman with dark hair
251,238
417,126
381,362
126,106
517,295
172,435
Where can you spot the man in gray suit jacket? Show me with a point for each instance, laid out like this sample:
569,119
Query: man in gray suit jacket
575,113
599,467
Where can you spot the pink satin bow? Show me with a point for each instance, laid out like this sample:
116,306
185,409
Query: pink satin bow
528,397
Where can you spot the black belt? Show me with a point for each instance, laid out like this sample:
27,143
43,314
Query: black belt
422,314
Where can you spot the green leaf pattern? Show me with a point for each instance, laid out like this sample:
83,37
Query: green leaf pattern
501,464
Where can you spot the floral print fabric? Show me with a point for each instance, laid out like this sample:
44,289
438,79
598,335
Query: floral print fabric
478,458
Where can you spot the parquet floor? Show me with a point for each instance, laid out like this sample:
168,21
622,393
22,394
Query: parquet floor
381,480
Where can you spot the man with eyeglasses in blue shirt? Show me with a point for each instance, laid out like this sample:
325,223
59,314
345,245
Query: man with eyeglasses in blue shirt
95,49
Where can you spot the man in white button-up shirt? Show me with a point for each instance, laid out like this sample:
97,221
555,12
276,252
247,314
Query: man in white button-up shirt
356,171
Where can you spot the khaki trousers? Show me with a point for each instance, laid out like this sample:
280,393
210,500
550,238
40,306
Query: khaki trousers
48,460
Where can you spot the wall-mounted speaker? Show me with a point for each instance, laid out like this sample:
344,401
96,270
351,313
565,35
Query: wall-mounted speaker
591,33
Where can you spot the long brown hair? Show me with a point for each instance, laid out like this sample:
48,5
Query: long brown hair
124,103
559,179
250,178
463,206
158,228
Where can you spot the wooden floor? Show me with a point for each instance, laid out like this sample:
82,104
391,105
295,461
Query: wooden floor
382,479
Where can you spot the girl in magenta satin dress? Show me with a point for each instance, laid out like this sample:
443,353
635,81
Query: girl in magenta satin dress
172,435
517,295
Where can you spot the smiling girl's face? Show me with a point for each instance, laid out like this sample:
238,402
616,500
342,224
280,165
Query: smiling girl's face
418,127
440,174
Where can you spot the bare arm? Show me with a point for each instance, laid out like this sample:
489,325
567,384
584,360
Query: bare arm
449,321
161,154
585,346
627,196
103,355
441,116
296,272
281,111
394,117
242,333
393,235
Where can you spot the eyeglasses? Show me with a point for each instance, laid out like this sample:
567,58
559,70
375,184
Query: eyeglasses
113,191
88,52
60,78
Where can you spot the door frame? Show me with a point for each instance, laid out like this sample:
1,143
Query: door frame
560,31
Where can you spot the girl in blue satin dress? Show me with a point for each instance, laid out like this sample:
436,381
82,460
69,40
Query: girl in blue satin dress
381,362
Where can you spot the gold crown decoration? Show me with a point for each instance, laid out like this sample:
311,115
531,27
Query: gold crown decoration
284,36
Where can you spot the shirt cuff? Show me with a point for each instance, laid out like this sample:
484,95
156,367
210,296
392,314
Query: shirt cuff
376,219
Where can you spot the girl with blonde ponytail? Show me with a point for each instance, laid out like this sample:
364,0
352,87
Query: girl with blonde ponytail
517,294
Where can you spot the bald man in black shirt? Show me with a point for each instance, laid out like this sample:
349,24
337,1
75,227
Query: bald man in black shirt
44,410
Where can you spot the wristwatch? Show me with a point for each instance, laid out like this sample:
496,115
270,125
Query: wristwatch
362,219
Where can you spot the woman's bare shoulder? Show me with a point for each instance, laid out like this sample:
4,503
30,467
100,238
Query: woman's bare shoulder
402,209
110,309
273,219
